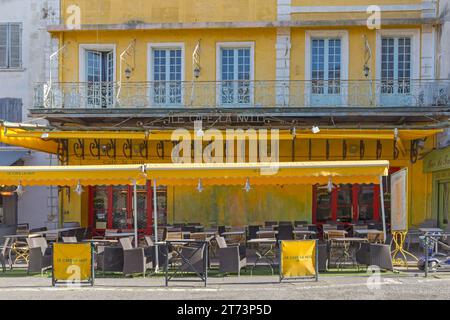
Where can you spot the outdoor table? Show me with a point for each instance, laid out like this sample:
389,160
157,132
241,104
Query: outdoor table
119,235
365,232
264,251
304,234
349,246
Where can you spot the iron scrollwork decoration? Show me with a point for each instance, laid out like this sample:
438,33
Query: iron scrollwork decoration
362,149
63,151
379,149
344,149
111,146
328,149
128,149
310,149
396,150
78,149
414,153
160,149
95,149
143,149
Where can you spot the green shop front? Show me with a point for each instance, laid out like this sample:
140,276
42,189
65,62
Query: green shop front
438,164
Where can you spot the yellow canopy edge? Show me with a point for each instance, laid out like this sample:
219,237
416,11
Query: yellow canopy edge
340,172
19,138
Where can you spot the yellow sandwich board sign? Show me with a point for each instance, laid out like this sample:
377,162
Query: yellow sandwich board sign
73,263
298,259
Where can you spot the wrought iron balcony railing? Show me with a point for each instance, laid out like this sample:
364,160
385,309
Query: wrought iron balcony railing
243,94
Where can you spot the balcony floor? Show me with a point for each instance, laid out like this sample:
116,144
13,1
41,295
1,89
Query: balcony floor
383,117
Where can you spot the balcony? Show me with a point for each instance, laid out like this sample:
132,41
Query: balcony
75,97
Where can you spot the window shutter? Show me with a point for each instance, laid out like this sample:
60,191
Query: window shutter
15,60
3,45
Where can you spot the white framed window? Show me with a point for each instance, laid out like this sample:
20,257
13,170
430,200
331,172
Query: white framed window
397,63
10,45
235,73
97,71
166,73
326,68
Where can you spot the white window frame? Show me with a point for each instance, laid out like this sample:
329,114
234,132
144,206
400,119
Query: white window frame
414,34
234,45
312,34
82,65
150,73
99,47
21,67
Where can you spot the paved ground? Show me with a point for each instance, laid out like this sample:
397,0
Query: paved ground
392,286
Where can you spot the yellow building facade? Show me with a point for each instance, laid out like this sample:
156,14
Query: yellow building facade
150,67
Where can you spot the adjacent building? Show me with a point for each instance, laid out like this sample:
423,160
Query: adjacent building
24,52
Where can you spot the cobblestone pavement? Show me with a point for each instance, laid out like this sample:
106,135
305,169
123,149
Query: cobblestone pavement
392,286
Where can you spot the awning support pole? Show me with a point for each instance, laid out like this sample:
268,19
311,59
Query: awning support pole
155,226
383,214
136,240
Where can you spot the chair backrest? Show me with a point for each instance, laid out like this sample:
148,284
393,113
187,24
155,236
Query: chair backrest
148,240
270,223
376,237
126,243
326,227
285,232
52,236
333,234
301,228
237,229
174,236
360,227
5,247
221,243
284,223
23,228
38,242
69,239
221,229
252,230
300,223
266,234
200,236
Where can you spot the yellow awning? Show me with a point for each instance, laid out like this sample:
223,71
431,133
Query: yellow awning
71,175
20,138
340,172
46,140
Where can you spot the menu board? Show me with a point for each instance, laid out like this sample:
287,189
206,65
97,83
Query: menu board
399,201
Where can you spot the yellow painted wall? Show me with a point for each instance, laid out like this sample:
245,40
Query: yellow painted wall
233,206
264,41
265,55
160,11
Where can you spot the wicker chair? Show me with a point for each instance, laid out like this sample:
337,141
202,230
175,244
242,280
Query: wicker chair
232,258
40,257
110,259
134,259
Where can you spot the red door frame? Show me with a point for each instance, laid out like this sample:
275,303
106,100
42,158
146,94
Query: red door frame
355,192
148,230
